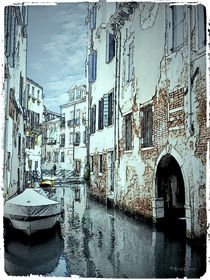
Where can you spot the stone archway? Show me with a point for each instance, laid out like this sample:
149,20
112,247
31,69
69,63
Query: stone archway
171,188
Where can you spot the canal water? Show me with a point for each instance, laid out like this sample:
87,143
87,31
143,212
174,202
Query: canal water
95,241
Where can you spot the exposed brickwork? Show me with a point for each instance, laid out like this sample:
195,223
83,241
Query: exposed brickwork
201,143
176,99
98,184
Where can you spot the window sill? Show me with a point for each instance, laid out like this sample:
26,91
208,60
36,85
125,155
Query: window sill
147,148
128,151
127,83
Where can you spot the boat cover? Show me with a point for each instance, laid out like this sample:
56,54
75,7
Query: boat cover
31,204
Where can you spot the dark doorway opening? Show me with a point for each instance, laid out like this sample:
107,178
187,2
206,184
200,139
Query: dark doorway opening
171,188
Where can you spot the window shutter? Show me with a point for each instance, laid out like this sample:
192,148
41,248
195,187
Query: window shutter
90,68
106,109
91,120
94,119
111,47
93,18
94,64
12,41
110,108
130,62
201,14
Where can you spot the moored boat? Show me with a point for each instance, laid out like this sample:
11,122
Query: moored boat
32,212
46,183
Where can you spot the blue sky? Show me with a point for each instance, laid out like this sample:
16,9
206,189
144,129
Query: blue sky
57,44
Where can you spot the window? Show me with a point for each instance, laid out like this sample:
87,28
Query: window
201,15
78,166
56,157
32,90
63,121
48,156
147,126
85,138
79,93
110,108
62,140
91,163
71,95
110,47
77,138
128,132
38,94
62,157
92,66
178,26
71,138
71,121
77,117
93,18
92,119
21,90
129,63
36,117
36,165
100,163
100,114
19,145
10,35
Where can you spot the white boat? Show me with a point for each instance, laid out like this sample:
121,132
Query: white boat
32,212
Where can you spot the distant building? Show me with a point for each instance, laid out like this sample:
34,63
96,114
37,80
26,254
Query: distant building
147,92
15,99
50,141
34,129
73,131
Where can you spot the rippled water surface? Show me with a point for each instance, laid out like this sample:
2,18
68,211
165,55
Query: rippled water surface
94,241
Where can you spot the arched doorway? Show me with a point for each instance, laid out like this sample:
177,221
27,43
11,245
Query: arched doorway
170,187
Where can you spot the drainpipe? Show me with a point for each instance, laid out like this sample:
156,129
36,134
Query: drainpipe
191,129
7,95
114,116
73,134
118,105
116,157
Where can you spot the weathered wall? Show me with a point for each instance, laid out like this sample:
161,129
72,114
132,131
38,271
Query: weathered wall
174,83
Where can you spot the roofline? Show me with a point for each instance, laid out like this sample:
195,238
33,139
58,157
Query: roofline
36,84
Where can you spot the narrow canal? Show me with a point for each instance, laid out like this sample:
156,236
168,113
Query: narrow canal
94,241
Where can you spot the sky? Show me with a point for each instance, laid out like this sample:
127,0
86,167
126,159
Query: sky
57,46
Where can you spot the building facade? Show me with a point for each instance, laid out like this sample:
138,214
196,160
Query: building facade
149,157
73,132
50,141
34,129
15,99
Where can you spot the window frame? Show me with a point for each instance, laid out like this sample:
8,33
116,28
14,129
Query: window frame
93,119
110,47
176,27
201,37
100,163
147,126
92,66
128,128
101,114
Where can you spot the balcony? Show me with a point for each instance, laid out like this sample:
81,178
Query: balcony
34,128
52,142
70,123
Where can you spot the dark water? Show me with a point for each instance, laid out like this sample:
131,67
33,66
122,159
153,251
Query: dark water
94,241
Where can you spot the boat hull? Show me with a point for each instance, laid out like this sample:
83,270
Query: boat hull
31,226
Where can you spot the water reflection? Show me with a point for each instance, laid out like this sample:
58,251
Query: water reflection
39,255
101,242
